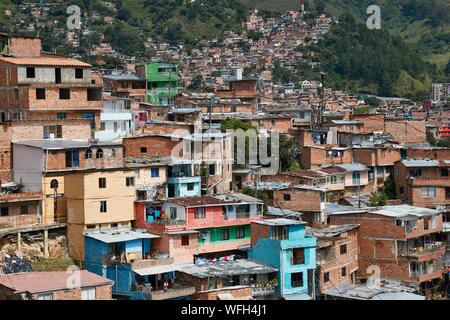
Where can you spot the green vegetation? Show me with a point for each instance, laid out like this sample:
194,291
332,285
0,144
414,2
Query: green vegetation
289,154
378,199
373,61
52,264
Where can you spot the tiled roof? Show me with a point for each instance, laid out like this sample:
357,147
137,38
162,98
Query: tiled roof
41,282
45,61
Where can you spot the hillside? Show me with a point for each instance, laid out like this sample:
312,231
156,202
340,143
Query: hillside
425,25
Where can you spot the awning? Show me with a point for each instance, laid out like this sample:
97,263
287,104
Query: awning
158,269
297,296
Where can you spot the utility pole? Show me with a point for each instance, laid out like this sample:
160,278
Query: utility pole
322,99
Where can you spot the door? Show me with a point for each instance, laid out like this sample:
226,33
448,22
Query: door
171,190
57,75
206,237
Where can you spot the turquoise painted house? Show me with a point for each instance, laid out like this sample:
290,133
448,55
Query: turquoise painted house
283,244
181,182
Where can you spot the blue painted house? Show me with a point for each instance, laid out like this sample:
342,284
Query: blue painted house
283,244
125,256
181,182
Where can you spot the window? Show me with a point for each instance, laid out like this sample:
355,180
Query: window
116,126
155,172
343,249
45,296
52,132
199,213
444,172
240,233
298,256
102,126
280,233
78,73
99,154
88,154
426,224
3,211
185,240
112,154
190,187
333,180
326,277
287,197
31,73
72,159
129,181
88,294
343,271
61,116
54,184
173,213
356,177
23,210
428,192
225,234
90,116
415,173
212,169
64,94
102,183
40,93
297,280
103,207
143,149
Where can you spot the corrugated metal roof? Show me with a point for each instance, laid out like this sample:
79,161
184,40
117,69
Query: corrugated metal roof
352,166
229,268
405,211
280,222
411,163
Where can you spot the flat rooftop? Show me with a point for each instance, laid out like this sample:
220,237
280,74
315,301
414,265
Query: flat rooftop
229,268
113,235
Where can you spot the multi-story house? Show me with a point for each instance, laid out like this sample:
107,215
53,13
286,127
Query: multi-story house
337,256
401,242
162,82
284,245
37,85
379,160
127,257
98,198
423,182
116,119
41,166
205,227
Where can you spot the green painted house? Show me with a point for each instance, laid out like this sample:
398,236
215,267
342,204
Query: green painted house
162,83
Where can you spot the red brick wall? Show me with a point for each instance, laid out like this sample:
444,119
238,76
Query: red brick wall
301,200
26,47
259,231
156,146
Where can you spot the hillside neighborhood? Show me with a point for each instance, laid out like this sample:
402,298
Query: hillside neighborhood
138,178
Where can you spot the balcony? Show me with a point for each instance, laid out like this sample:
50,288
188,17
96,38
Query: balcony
261,291
417,252
148,263
170,222
177,291
426,271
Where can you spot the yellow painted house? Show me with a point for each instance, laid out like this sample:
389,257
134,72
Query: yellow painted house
97,199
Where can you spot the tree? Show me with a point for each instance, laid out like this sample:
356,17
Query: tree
378,199
447,69
196,84
288,154
389,188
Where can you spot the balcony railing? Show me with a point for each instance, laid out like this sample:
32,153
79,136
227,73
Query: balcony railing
424,250
171,222
436,266
263,290
148,263
175,292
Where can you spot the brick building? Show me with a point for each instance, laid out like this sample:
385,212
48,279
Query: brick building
337,256
404,242
423,182
37,85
